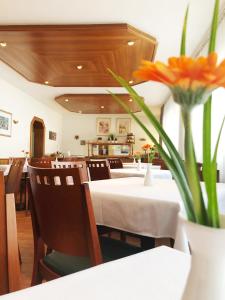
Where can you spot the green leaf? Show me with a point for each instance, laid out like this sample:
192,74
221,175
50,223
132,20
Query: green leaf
213,211
184,31
209,168
179,177
191,169
214,27
172,150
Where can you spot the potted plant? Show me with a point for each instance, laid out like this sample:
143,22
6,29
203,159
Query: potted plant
191,82
150,151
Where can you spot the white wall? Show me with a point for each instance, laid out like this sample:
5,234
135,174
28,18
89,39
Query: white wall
85,127
23,108
172,122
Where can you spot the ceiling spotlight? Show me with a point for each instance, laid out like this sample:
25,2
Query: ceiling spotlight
3,44
79,67
131,81
66,100
102,106
46,82
130,43
130,100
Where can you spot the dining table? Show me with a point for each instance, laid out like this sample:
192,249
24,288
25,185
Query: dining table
156,274
135,172
152,211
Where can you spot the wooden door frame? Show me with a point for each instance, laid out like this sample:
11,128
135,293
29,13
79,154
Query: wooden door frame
31,129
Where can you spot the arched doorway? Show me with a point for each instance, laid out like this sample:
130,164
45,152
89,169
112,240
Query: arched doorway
37,137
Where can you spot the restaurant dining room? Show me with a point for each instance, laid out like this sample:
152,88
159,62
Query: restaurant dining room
112,149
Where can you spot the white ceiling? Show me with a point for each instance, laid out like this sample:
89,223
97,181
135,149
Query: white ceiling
162,18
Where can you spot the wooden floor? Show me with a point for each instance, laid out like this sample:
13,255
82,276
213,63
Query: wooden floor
25,238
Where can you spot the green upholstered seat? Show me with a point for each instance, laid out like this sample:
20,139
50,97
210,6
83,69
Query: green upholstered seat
111,249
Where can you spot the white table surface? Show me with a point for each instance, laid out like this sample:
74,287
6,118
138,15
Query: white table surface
157,274
133,172
126,204
5,169
143,165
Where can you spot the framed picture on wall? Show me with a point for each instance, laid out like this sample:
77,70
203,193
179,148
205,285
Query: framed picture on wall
5,123
103,126
52,135
122,126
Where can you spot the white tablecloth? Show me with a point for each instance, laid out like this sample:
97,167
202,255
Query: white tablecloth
133,172
143,165
158,274
5,169
126,204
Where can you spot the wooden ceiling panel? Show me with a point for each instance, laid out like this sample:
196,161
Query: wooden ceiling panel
52,53
95,103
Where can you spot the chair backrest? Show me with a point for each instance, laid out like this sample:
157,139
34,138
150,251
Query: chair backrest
72,164
98,170
160,162
14,176
115,163
41,162
4,161
200,172
62,213
9,265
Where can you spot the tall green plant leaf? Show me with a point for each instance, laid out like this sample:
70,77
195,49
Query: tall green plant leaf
182,184
213,211
183,39
190,160
209,168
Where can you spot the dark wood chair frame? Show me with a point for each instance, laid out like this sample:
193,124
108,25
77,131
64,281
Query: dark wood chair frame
77,218
98,170
9,254
115,163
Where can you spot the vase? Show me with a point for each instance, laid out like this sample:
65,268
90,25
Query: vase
206,279
139,165
148,176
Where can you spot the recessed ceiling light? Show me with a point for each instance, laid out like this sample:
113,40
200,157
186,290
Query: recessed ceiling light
102,106
130,100
79,67
3,44
130,43
131,81
66,100
46,82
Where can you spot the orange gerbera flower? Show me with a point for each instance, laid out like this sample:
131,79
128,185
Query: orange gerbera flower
189,79
146,147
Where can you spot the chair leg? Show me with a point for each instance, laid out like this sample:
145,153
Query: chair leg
123,236
147,242
20,258
38,254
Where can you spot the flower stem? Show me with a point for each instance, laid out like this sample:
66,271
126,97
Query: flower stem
191,169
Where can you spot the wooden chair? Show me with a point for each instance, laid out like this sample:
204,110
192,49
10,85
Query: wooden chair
200,172
115,163
73,164
14,177
98,170
63,220
4,161
41,162
9,265
160,162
